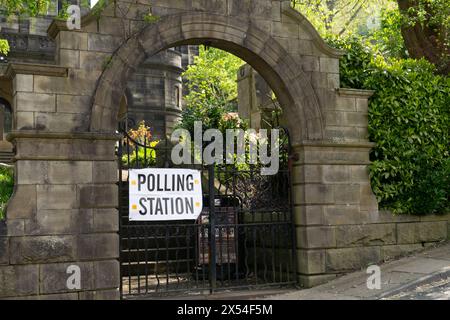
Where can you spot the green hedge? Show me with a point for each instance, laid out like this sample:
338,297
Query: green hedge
6,188
409,119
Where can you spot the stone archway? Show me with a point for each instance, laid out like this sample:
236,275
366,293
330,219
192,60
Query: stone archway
240,37
64,207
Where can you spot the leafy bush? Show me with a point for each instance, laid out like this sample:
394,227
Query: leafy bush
6,188
135,152
409,119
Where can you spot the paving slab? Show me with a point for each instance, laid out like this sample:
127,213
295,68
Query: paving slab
409,272
423,265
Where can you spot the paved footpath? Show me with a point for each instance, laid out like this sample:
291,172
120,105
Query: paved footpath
424,275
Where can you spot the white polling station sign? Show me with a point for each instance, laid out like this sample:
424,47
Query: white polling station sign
165,194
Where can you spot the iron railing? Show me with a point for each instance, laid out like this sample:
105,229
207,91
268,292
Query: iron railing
250,215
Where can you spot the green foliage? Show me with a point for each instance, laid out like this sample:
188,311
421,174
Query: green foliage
143,156
212,79
338,17
4,47
150,17
136,153
409,119
25,7
6,188
212,84
388,39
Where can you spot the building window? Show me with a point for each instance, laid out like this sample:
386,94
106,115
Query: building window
5,119
178,96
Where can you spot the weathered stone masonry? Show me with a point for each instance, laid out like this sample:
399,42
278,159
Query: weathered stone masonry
63,210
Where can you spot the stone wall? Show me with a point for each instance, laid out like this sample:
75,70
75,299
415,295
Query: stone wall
351,242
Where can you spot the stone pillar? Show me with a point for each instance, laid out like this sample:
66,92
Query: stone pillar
255,102
63,213
333,197
64,208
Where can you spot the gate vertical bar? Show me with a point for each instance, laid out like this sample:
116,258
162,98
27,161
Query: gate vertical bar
120,210
212,231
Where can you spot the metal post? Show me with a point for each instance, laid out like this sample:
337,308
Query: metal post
212,230
120,208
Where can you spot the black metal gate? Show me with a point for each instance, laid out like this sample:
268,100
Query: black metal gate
251,216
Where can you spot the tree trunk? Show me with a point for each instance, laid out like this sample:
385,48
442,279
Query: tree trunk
424,42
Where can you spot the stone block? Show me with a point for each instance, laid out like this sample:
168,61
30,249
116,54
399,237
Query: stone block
24,120
73,104
19,280
107,274
42,249
98,196
448,230
62,122
113,26
346,104
4,250
32,172
105,220
69,58
347,194
309,215
362,105
98,246
52,222
23,83
105,172
395,251
333,80
103,43
344,214
51,297
70,172
76,150
100,295
383,216
54,277
330,65
78,82
419,232
314,194
336,174
310,63
35,102
368,200
311,261
72,40
16,227
22,205
347,259
309,281
91,60
365,235
316,237
57,197
307,174
359,173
